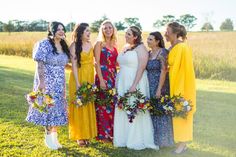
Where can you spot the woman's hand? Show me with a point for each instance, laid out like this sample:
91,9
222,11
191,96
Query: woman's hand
158,93
102,84
132,89
41,85
78,86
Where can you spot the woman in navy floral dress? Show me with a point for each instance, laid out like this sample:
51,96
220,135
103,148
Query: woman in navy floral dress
51,55
159,85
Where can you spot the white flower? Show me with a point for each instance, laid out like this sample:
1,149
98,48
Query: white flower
128,112
188,108
170,108
185,103
142,101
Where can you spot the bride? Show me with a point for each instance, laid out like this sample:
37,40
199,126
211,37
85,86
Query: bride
132,75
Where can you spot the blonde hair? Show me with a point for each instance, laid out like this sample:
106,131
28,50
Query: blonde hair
101,36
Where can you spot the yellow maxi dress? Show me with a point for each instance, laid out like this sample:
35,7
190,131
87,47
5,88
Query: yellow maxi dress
82,120
182,81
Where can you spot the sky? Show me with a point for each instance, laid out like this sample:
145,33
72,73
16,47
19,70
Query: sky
148,11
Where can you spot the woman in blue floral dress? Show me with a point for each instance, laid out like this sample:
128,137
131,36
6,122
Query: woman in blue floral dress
51,55
159,85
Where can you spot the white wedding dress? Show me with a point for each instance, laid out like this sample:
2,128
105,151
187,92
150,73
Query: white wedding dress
138,134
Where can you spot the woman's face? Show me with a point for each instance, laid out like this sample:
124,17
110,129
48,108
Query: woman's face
60,33
129,37
169,35
86,34
107,30
152,42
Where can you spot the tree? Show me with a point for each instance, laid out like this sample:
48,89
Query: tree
133,21
9,27
120,26
70,26
227,25
167,19
1,26
96,24
207,27
187,20
157,24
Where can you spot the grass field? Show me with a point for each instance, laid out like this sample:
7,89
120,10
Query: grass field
214,123
214,52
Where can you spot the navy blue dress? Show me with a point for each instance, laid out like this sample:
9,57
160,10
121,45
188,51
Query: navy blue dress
163,129
54,75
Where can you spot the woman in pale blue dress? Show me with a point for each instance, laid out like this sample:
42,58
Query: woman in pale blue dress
51,55
159,85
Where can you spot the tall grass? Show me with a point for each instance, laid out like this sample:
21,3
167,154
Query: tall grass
214,52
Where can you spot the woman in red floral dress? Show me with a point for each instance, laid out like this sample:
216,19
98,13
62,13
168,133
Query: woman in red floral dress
105,53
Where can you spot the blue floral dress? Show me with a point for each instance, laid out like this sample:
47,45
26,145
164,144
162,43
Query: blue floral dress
54,76
163,130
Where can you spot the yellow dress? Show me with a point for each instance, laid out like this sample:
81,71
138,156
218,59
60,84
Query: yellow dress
182,80
82,120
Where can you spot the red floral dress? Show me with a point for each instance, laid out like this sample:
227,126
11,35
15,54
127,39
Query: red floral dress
105,113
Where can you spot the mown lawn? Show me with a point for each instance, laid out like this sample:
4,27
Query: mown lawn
214,129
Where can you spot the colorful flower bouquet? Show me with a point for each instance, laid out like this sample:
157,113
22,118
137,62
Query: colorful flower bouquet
106,96
85,94
175,106
40,101
132,103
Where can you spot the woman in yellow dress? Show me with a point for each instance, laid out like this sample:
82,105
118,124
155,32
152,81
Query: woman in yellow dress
82,120
182,81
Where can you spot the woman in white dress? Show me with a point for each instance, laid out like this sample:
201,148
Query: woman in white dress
132,75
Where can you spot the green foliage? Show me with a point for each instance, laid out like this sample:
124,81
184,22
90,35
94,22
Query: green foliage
227,25
9,27
70,27
133,21
207,27
188,21
96,24
214,134
120,26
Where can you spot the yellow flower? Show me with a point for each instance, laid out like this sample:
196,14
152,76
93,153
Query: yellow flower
162,99
110,91
89,86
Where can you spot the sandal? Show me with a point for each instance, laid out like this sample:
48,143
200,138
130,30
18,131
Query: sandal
82,143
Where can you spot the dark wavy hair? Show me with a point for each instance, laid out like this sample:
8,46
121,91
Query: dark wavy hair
178,29
158,37
77,39
52,29
136,33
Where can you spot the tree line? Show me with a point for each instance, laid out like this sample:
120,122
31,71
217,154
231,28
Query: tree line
188,20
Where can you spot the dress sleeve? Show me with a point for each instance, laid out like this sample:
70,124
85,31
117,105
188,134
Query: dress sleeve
40,51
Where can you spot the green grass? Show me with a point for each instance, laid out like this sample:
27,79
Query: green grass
214,123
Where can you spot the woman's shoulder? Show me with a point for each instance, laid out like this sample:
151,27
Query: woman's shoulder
44,42
141,48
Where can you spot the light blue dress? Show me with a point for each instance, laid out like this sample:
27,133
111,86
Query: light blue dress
54,65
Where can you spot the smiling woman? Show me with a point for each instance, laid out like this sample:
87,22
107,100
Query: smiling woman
51,55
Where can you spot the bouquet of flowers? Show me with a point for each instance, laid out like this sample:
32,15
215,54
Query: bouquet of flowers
181,106
161,106
106,96
85,94
132,103
175,106
40,101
